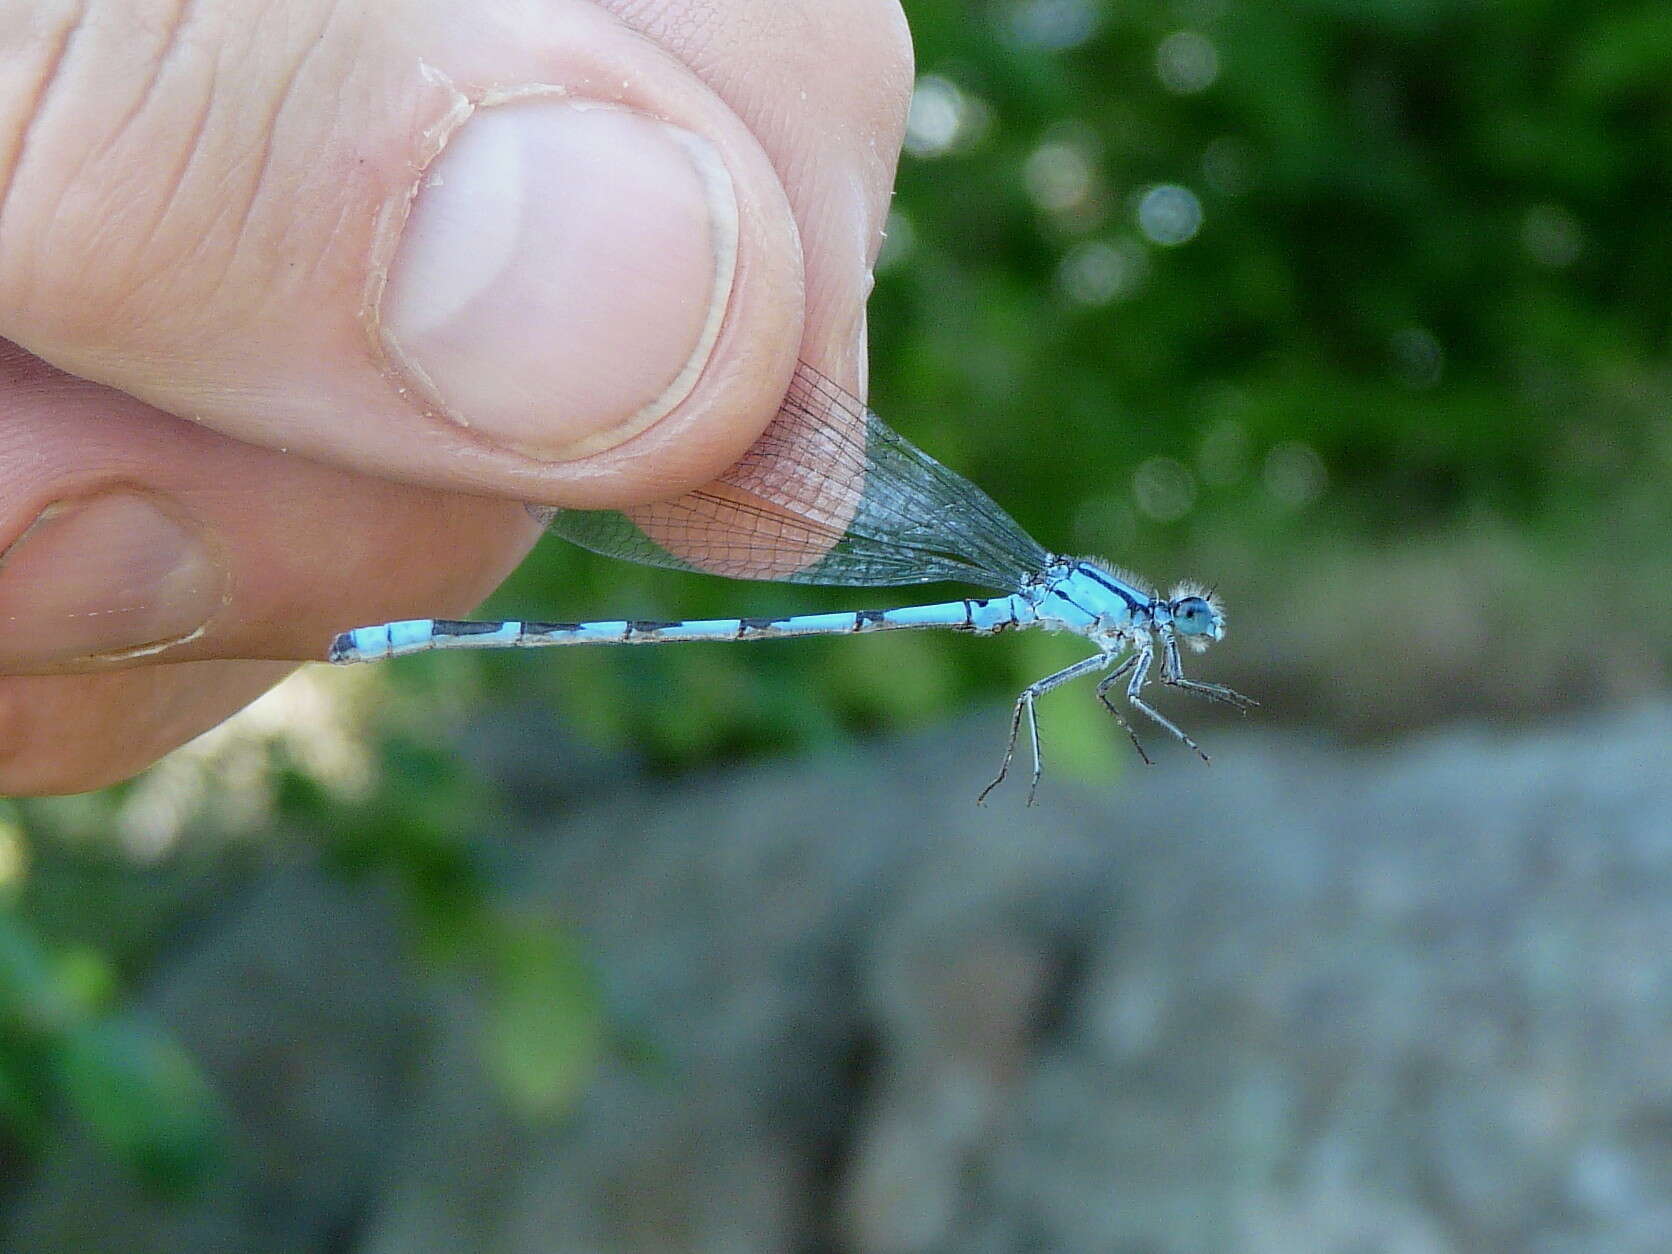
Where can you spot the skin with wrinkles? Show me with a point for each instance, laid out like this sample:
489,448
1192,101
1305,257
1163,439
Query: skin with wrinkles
190,199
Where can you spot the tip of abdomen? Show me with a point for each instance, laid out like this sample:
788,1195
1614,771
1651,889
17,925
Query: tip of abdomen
364,644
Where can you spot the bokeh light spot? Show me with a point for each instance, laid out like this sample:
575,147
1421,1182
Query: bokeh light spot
943,118
1295,474
1052,24
1224,453
1164,489
1100,272
1417,358
1186,62
1169,214
899,240
1060,175
1552,236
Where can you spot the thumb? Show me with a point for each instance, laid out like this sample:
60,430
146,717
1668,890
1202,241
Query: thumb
502,248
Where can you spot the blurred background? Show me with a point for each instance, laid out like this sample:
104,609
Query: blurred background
1358,310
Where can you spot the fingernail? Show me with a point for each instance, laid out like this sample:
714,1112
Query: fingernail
107,575
562,277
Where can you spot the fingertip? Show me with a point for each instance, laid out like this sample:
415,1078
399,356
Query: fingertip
117,573
132,538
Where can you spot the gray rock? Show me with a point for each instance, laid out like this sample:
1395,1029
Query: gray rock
297,1003
1414,999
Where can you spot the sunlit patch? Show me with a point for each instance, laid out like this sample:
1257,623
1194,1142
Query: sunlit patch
313,722
14,859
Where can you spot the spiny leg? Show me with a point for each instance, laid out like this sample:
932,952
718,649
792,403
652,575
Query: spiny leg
1009,749
1033,743
1103,696
1024,703
1172,673
1139,676
1215,692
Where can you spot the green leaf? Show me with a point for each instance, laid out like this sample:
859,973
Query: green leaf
544,1030
143,1100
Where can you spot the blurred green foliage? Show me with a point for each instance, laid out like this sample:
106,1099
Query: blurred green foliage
1208,286
68,1053
85,909
1427,293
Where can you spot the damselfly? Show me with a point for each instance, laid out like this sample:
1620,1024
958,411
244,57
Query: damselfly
831,495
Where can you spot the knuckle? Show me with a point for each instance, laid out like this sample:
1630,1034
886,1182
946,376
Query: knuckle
163,151
73,197
36,52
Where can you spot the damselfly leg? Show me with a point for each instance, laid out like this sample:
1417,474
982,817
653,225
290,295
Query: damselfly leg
1108,681
1024,705
1172,674
1140,676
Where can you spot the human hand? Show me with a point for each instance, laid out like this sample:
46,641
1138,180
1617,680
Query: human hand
402,266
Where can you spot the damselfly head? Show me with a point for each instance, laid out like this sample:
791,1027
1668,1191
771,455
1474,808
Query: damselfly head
1197,615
